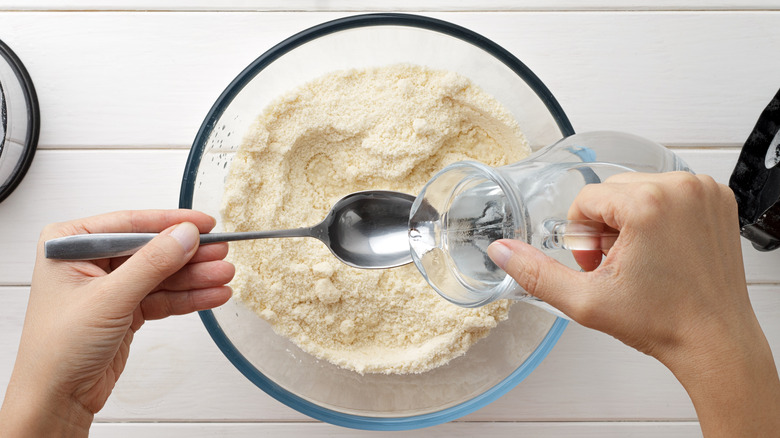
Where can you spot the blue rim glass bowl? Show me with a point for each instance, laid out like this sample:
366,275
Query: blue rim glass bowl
319,389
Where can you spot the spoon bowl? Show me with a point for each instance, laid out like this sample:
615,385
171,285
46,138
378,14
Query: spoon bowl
366,229
369,229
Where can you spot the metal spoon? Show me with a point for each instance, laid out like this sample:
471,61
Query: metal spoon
364,229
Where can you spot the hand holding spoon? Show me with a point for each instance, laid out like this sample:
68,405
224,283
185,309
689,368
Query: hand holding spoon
363,229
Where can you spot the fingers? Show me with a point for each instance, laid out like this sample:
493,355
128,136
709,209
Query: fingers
212,251
152,264
587,259
131,221
205,253
641,202
201,275
540,275
621,195
166,303
603,202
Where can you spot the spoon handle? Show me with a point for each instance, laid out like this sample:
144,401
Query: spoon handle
107,245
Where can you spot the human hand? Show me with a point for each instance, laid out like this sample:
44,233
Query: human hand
678,251
672,286
82,315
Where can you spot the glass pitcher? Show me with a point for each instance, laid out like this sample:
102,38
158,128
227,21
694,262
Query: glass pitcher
468,205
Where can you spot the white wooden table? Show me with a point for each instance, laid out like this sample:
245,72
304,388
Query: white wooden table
125,84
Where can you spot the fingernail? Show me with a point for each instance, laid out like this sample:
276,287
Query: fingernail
187,235
499,253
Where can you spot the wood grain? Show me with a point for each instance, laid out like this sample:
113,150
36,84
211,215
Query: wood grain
385,5
176,373
148,80
68,184
451,430
124,86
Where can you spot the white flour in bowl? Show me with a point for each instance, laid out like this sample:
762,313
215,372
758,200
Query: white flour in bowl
385,128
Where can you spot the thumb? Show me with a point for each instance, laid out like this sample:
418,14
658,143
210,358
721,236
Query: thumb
156,261
540,275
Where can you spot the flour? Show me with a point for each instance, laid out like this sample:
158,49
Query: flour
386,128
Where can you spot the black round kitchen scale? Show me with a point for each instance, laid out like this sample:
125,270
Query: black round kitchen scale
19,121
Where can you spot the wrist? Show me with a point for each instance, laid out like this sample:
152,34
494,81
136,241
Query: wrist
731,378
718,346
30,412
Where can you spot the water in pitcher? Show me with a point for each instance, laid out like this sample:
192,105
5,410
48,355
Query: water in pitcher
468,205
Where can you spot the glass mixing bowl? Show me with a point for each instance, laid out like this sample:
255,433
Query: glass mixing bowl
317,388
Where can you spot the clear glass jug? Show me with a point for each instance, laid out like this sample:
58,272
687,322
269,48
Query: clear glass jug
468,205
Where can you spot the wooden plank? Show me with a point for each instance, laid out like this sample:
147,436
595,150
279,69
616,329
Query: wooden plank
109,79
681,72
397,5
176,373
454,430
68,184
62,185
